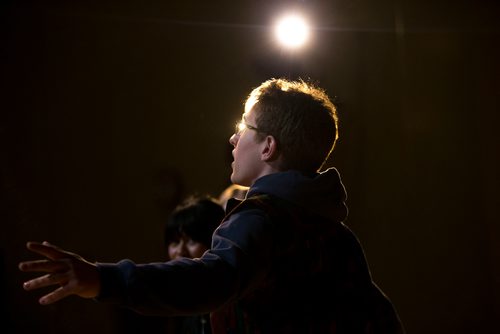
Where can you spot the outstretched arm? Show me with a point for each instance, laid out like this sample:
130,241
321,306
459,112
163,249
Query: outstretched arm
73,274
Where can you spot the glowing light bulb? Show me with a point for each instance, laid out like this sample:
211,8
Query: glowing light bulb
292,31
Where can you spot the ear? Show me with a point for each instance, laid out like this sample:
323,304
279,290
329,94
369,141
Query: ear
270,150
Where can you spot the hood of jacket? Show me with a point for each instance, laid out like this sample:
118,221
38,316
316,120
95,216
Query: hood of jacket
321,193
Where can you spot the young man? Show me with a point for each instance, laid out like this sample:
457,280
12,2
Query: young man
282,261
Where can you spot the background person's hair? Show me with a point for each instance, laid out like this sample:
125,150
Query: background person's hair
196,218
302,119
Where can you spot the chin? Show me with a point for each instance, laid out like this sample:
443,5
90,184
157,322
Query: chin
234,180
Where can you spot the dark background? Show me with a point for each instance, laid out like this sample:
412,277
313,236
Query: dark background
112,110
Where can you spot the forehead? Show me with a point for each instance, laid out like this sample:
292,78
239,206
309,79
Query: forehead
249,114
249,104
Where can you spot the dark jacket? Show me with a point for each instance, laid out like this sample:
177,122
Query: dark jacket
282,259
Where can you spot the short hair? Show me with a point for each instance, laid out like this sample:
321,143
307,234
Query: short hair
197,218
302,119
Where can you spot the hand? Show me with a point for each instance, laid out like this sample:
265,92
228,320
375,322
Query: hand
73,274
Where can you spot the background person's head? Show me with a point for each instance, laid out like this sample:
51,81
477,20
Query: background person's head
189,229
300,117
233,191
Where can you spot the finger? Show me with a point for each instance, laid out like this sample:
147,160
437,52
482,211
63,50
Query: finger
42,266
44,281
50,251
56,295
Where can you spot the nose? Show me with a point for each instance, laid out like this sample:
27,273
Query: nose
181,250
233,140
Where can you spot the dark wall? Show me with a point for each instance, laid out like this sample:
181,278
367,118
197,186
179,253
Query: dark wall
112,110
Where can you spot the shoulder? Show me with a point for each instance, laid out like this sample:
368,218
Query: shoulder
246,237
248,214
263,203
247,224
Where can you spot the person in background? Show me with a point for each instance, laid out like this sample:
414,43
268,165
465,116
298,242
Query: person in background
233,191
188,234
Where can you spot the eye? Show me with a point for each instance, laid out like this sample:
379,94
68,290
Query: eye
240,126
174,243
191,242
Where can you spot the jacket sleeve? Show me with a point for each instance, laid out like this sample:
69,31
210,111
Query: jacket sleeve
237,261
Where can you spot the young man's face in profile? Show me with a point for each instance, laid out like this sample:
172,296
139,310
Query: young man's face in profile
247,165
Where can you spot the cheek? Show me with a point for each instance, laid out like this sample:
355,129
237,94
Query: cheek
240,153
197,250
172,254
240,146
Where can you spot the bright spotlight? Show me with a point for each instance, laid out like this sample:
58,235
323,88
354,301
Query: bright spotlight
292,31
